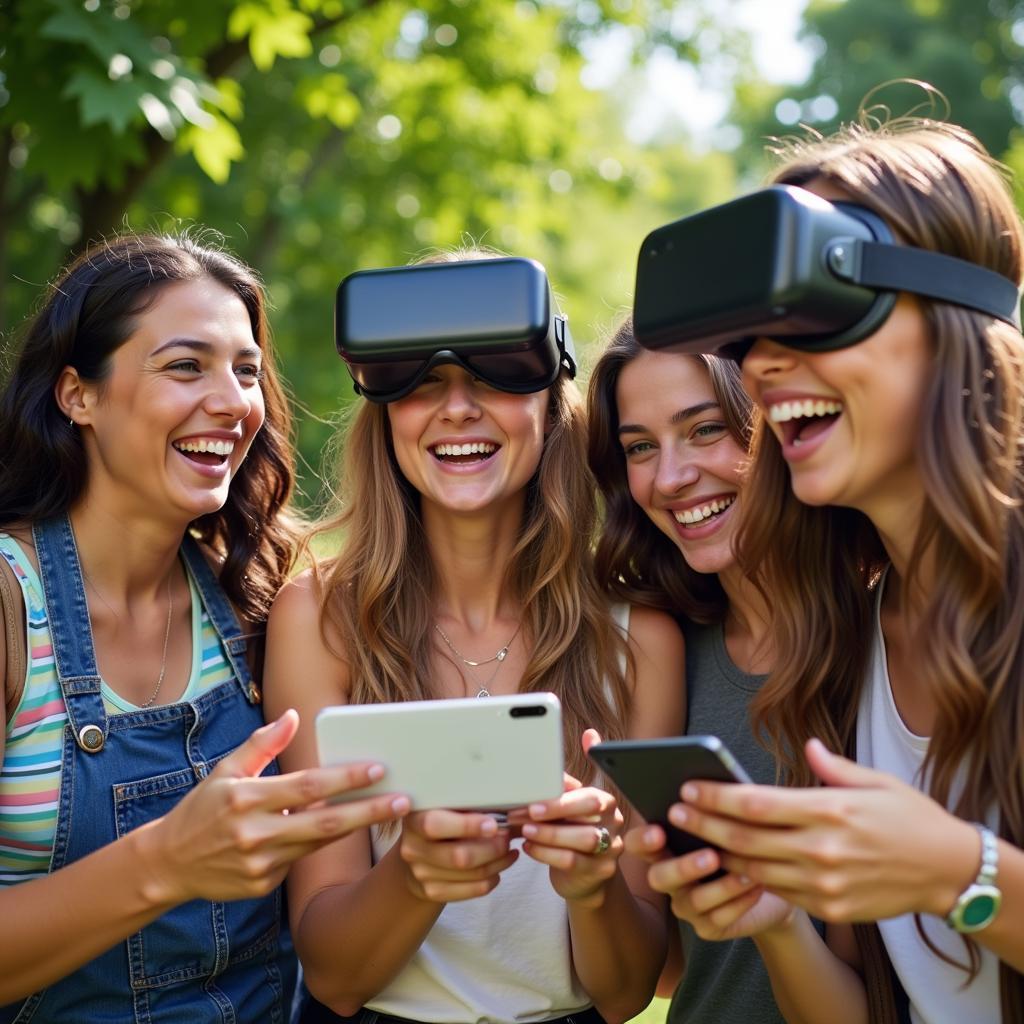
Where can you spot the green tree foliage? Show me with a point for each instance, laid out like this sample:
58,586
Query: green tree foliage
320,136
970,50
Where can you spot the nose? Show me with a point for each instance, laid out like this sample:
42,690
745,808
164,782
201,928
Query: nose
765,361
228,397
676,471
458,401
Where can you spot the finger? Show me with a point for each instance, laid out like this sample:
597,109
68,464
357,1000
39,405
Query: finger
765,805
647,841
677,872
302,788
834,770
443,824
706,896
785,877
591,737
566,860
260,748
454,892
581,838
330,822
431,872
726,915
459,855
582,804
736,836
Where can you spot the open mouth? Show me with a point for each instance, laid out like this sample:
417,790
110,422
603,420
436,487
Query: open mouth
205,451
701,515
467,454
804,419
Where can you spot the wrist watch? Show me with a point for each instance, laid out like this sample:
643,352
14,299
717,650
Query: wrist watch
978,904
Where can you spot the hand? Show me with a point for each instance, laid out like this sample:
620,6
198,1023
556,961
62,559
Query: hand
565,833
864,847
454,855
236,834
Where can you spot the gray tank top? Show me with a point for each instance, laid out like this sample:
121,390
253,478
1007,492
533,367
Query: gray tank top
723,982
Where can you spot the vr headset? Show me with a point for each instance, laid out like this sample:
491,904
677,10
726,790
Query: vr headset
784,263
494,318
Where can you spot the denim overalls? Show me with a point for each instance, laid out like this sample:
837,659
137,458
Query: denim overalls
202,962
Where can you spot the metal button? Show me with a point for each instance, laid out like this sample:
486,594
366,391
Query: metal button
90,739
255,696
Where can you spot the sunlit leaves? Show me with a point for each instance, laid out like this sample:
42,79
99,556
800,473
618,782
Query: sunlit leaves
273,30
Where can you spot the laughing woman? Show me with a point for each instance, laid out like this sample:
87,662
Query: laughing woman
468,520
895,551
146,466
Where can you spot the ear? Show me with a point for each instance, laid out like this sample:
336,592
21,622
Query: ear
73,397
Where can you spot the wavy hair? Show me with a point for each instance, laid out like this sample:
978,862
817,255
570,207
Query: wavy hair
634,560
935,185
378,593
89,311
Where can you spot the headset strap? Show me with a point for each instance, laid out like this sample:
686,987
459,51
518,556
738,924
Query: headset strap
937,276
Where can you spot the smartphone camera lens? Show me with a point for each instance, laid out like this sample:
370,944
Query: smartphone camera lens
528,711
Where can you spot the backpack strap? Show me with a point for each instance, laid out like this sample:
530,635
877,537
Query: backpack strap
12,622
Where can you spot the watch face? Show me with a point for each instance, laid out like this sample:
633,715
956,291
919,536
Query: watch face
979,911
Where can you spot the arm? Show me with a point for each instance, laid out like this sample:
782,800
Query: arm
618,926
356,924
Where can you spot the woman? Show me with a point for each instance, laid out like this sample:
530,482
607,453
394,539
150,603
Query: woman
143,488
669,435
895,561
467,521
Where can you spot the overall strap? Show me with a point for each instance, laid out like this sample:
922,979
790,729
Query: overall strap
67,614
222,615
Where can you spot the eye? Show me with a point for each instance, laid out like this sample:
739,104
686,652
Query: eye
251,372
185,366
709,431
637,448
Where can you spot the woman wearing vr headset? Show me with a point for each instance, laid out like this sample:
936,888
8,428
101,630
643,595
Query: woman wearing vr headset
468,517
669,440
144,432
894,551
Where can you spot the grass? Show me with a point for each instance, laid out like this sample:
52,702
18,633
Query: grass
654,1014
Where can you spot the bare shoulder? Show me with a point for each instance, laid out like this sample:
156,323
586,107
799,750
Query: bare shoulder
297,603
658,683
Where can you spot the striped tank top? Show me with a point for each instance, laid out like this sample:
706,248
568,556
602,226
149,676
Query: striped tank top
30,773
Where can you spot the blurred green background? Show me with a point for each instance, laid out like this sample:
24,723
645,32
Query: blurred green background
321,136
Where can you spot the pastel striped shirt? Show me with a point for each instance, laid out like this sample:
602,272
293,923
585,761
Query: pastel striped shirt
30,773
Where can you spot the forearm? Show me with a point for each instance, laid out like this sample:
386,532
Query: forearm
354,939
618,950
811,984
56,924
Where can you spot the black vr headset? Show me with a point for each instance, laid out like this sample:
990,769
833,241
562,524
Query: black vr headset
495,318
784,263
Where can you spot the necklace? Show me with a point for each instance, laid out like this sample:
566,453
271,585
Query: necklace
498,657
167,637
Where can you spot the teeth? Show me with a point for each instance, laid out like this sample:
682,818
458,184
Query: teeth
202,444
473,448
698,513
783,411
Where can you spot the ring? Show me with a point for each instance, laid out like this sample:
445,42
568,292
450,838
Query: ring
604,840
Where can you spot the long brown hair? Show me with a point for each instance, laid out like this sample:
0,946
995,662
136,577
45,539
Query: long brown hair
88,313
635,561
378,592
938,189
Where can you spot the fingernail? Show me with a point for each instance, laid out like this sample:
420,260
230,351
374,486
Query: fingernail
375,771
689,791
677,814
537,809
744,880
530,830
488,827
651,836
704,861
400,804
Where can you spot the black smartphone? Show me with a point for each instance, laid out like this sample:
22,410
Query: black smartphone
650,772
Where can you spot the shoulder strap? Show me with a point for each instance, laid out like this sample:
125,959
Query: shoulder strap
12,614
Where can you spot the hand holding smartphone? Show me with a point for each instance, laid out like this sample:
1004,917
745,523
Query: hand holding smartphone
650,773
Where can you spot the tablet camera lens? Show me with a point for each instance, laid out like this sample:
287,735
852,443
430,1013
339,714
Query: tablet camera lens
528,711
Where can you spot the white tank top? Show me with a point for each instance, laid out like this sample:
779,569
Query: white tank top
935,988
503,958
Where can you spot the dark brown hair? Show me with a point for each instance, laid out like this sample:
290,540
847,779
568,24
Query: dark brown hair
634,560
87,314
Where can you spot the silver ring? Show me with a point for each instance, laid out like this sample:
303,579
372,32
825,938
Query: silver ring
604,841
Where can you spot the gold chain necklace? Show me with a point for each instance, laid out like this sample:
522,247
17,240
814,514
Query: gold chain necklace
499,657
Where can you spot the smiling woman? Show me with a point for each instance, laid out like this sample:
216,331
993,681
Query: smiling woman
143,489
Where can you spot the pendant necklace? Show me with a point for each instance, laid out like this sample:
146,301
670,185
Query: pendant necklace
498,657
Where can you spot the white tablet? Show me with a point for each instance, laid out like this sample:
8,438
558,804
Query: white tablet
485,753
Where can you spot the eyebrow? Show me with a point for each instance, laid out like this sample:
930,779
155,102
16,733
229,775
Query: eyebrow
676,417
201,346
